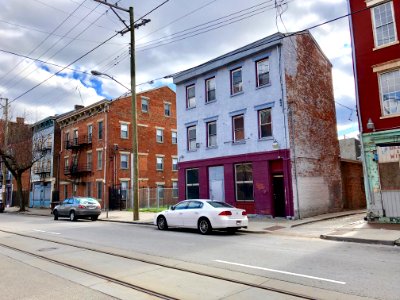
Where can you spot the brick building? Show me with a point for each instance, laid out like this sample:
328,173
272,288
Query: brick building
97,147
376,58
257,129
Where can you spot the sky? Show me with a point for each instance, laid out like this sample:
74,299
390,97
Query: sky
40,38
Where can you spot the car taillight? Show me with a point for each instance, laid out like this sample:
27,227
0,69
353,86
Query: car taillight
81,206
244,213
225,213
99,206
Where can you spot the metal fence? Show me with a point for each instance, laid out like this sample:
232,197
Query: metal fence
153,198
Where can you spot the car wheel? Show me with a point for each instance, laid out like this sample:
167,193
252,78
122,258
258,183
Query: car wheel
204,226
72,216
162,223
55,213
94,218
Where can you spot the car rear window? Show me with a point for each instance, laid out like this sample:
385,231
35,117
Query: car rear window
218,204
88,201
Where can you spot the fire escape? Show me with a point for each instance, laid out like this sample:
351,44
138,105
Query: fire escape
78,169
43,167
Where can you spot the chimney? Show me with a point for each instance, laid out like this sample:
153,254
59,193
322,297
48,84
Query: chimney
78,106
20,120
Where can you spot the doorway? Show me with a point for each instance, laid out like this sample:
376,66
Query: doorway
216,183
278,186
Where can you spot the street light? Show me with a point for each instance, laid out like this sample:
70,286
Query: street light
135,171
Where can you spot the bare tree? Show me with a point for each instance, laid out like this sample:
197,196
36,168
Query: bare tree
20,152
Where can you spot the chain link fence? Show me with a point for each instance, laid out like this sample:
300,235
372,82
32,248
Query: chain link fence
153,198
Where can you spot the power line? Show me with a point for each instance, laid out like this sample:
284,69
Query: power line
154,9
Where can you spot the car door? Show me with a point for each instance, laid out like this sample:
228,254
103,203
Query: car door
175,216
64,207
192,214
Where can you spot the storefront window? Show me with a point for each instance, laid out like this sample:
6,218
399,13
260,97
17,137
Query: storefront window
244,182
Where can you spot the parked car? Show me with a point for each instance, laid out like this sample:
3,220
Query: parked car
78,208
203,214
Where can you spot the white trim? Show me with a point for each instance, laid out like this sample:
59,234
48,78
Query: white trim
396,41
143,179
100,180
370,3
124,179
157,127
174,130
99,149
142,125
393,64
144,154
99,120
125,122
89,151
124,152
160,183
160,155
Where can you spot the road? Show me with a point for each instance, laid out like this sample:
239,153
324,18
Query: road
291,263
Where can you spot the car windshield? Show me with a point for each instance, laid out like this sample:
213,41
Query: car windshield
218,204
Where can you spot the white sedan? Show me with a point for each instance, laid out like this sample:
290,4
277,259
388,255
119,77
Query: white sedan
203,214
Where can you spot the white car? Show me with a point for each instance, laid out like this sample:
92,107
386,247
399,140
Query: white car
203,214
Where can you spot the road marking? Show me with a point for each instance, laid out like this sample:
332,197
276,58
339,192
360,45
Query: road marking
43,231
281,272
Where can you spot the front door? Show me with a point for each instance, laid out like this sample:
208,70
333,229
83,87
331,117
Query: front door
279,196
216,183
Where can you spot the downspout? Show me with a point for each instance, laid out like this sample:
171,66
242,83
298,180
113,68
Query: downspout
106,200
363,158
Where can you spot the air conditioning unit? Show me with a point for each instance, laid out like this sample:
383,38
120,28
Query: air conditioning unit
197,145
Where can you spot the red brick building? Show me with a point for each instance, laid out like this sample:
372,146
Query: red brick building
97,146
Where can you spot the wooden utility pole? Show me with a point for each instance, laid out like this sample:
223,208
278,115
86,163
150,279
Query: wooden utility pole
3,167
131,28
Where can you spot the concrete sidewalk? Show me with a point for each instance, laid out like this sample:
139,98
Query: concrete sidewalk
342,226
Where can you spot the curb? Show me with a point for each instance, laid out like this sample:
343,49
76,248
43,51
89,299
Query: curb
325,219
358,240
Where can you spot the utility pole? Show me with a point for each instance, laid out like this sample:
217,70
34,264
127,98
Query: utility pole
3,167
131,28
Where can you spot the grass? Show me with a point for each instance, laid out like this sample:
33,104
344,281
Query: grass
153,209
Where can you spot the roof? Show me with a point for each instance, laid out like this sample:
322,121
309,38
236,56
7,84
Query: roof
230,57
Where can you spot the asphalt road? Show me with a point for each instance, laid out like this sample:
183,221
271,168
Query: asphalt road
354,269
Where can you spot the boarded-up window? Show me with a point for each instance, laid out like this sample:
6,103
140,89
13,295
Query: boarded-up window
390,176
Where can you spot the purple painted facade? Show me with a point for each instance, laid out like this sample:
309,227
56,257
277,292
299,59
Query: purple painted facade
265,165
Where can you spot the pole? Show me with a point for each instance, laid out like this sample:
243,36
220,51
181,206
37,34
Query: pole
135,185
4,169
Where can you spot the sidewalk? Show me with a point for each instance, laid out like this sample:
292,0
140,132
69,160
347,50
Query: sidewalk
342,226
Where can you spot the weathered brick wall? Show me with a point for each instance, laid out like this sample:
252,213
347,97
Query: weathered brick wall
312,127
353,185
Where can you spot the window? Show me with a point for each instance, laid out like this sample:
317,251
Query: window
244,182
174,137
210,89
124,131
124,190
192,184
89,161
167,109
191,135
390,92
74,188
99,159
190,96
174,164
175,189
194,205
212,134
99,187
66,164
262,68
75,142
67,142
88,189
124,161
238,128
145,105
160,135
65,191
100,132
264,123
160,191
160,163
385,31
90,133
236,81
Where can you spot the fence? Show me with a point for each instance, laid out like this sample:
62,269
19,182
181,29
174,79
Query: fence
152,198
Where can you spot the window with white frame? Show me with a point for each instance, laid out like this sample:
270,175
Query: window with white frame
124,190
160,190
244,182
75,137
99,159
160,163
210,89
238,128
390,92
192,184
124,161
145,105
66,164
174,164
100,130
90,133
212,134
175,189
236,81
167,109
74,189
264,123
190,96
124,131
384,26
262,68
191,138
99,189
159,135
174,135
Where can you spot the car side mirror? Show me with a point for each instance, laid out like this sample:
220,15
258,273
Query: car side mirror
172,207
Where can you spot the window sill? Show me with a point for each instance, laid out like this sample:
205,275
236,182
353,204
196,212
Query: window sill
263,86
210,102
237,94
190,108
191,150
160,170
213,147
160,142
266,139
385,46
238,142
174,171
390,116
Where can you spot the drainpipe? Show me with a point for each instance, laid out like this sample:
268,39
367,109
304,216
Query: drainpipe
106,200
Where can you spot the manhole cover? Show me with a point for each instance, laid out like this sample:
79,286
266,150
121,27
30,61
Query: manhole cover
47,249
272,228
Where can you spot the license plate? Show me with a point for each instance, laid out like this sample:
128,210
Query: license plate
238,222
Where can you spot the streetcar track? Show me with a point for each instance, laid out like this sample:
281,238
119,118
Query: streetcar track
150,292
